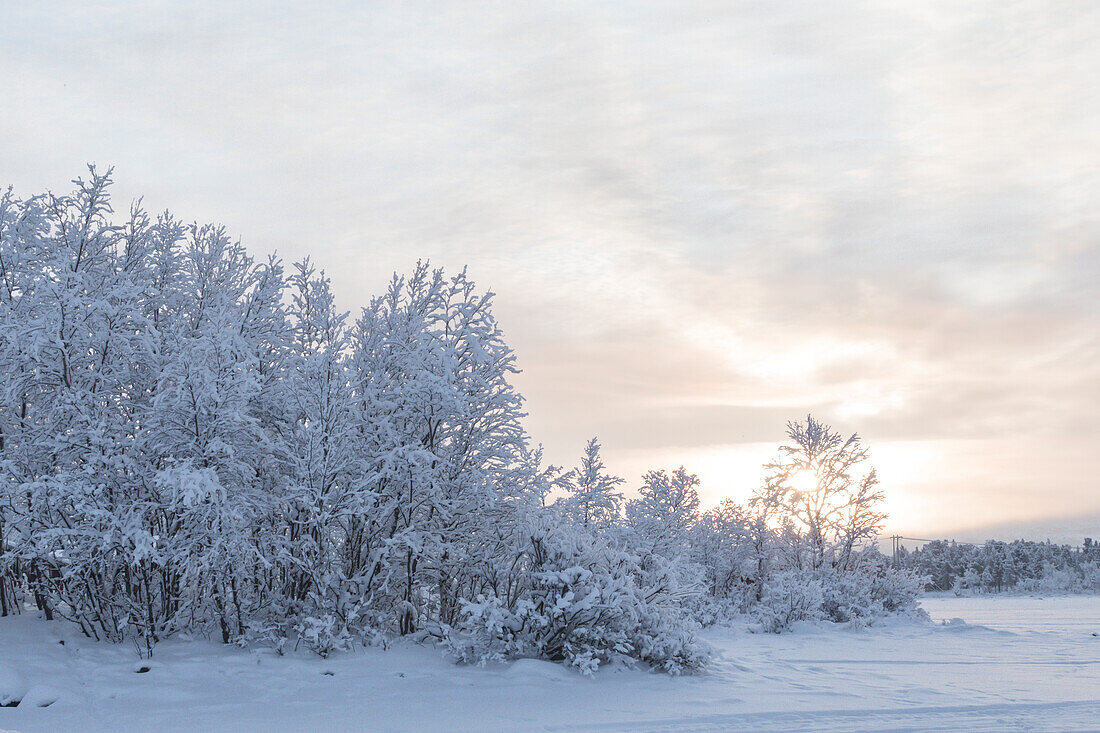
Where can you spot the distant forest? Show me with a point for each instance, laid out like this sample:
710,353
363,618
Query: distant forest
997,567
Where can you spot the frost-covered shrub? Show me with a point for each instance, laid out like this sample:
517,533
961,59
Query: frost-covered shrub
324,634
488,631
897,591
789,596
582,602
861,596
706,610
730,547
858,597
848,597
666,639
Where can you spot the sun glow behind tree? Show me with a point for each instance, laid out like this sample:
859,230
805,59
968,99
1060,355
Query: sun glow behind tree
804,481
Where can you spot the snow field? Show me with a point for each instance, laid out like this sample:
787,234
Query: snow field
898,676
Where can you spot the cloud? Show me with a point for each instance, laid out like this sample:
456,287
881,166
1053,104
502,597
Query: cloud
701,218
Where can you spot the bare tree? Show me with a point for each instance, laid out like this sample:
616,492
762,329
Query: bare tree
822,489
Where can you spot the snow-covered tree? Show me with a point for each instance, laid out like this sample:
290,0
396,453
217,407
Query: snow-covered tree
591,496
317,442
431,370
205,426
666,509
820,485
725,542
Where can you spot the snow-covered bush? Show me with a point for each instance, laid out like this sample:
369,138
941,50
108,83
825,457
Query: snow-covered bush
581,601
790,596
847,597
897,591
872,591
706,610
731,548
323,635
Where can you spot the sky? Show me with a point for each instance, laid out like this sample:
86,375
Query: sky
701,219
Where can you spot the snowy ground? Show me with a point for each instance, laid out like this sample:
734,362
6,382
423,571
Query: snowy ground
1019,664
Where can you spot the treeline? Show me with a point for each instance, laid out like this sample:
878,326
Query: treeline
193,440
995,567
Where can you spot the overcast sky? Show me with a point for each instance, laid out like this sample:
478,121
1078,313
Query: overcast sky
701,219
